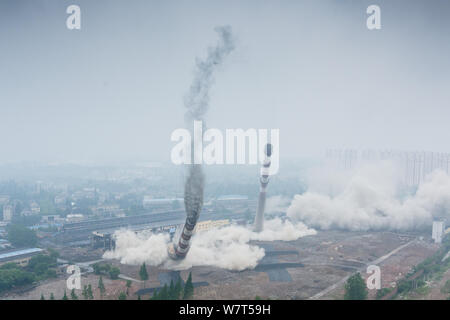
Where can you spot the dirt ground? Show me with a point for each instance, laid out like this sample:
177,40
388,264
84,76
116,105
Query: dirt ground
291,270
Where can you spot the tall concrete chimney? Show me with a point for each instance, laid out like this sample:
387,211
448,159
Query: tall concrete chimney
264,181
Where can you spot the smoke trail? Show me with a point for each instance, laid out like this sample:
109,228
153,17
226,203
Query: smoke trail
371,199
197,103
197,100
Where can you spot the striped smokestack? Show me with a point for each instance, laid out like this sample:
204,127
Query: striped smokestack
264,181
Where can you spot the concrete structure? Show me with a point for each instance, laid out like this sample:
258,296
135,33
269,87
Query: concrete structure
21,257
438,231
264,180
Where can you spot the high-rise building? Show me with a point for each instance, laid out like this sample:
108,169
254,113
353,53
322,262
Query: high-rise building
8,211
438,231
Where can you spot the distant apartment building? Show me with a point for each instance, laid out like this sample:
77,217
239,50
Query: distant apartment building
35,208
4,200
8,211
60,199
438,231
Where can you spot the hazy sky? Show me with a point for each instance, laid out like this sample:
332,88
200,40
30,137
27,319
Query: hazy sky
115,88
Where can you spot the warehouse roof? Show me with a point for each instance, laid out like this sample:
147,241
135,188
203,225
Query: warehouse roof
10,255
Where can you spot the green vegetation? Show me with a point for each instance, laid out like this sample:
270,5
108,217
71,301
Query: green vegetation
40,267
26,221
52,296
432,268
73,295
84,293
122,296
101,287
446,287
128,286
175,291
65,296
21,236
188,291
90,294
355,288
106,269
383,291
114,273
143,274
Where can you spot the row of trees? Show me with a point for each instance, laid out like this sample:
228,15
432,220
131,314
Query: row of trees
175,291
21,236
87,292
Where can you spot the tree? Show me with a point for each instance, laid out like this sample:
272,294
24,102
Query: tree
178,289
171,293
65,296
21,236
188,287
139,297
85,293
143,273
42,296
128,286
90,294
101,286
155,295
73,295
355,288
52,297
114,273
164,293
122,296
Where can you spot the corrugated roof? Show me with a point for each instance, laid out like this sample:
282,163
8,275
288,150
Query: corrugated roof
19,253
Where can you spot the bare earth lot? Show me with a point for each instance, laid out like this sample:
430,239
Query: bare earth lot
291,270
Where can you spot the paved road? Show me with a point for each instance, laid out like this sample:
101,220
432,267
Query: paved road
122,276
343,280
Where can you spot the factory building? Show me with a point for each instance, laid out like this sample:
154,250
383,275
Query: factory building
20,257
210,224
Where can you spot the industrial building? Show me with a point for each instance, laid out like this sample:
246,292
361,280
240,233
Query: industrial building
20,257
210,224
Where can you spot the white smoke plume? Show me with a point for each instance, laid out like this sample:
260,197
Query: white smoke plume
371,199
227,247
276,204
